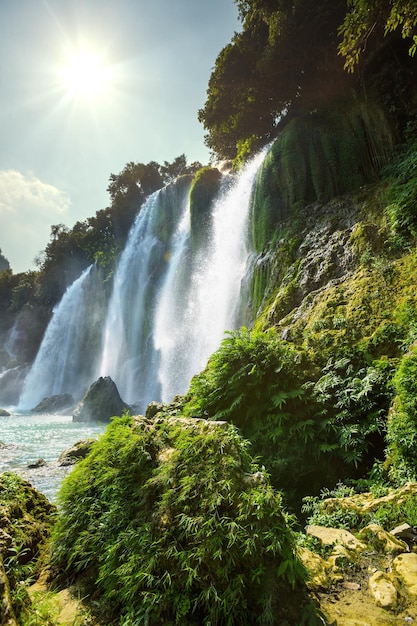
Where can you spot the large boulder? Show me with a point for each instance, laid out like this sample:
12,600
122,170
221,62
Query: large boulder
58,404
101,402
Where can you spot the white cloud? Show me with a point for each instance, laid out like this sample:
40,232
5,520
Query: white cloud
28,208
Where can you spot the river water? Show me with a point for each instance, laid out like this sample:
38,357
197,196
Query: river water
25,438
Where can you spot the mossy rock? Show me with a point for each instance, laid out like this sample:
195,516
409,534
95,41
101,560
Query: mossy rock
170,520
26,518
318,156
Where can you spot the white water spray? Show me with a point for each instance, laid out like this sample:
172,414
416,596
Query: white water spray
193,315
129,356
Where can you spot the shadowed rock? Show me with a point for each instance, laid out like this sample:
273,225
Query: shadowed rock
60,403
101,402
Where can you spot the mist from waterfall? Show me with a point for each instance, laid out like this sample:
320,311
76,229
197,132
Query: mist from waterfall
65,361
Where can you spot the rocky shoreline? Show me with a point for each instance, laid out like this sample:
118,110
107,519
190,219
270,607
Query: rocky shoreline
358,577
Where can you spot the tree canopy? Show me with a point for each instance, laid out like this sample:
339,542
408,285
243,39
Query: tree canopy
367,19
291,57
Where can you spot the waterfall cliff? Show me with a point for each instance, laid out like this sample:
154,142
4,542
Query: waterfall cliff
170,305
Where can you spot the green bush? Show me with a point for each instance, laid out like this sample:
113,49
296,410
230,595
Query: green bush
402,423
256,381
309,429
172,522
402,211
354,403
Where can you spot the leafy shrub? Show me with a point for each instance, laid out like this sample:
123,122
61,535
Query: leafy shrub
171,521
354,403
402,423
402,211
256,381
308,433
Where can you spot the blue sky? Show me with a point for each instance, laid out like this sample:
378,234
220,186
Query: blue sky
60,141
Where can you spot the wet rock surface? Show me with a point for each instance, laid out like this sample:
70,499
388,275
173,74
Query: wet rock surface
101,402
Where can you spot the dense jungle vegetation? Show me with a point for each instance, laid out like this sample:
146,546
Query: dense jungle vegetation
319,395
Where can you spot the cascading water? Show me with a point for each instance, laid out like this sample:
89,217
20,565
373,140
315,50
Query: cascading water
129,356
66,358
193,314
170,307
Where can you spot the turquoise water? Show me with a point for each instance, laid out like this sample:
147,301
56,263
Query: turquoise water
25,438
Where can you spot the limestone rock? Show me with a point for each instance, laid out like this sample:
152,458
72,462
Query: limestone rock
4,413
405,533
338,559
77,452
56,404
366,502
381,540
331,536
101,402
405,567
383,590
317,568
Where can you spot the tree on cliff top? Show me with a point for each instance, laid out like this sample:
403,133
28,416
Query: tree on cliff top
284,58
289,58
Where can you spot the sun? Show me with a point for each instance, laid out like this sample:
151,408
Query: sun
85,74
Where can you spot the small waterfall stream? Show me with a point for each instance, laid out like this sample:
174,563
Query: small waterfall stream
65,359
129,356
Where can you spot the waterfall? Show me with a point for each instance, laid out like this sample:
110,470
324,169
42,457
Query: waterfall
65,360
170,308
129,356
193,315
170,305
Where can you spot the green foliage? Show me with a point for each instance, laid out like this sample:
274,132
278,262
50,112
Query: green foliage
316,157
342,507
402,210
264,73
402,423
171,521
256,382
366,20
313,430
26,522
354,403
